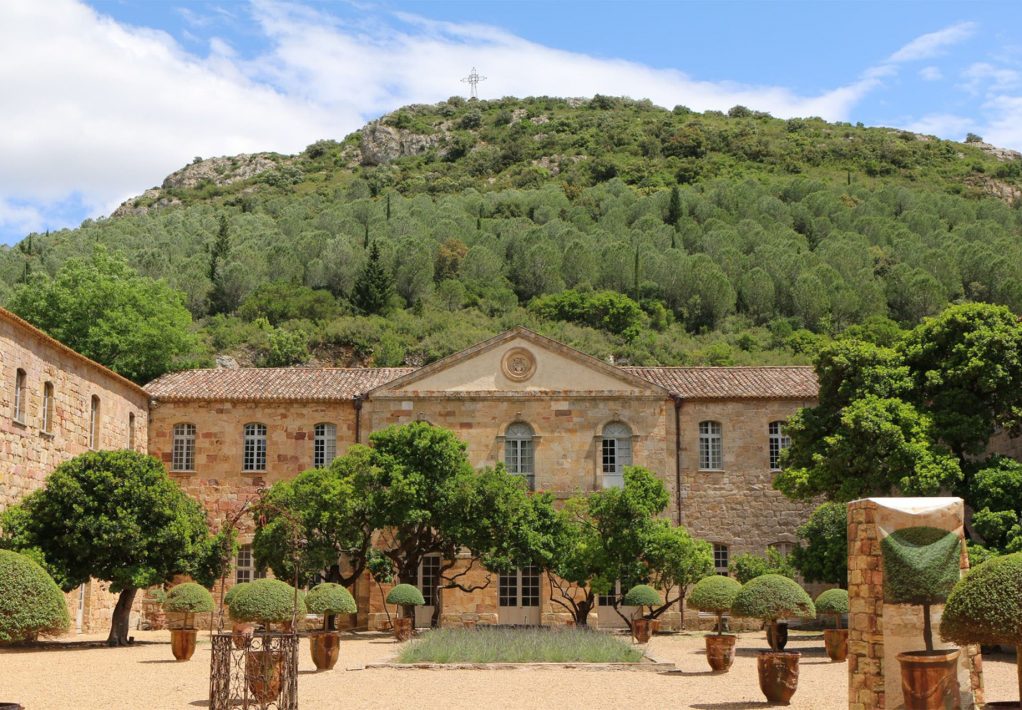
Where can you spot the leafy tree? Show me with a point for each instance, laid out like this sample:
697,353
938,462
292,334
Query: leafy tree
749,566
374,286
823,554
280,301
102,308
995,494
674,208
606,310
115,516
220,299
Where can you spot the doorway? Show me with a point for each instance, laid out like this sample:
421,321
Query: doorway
519,597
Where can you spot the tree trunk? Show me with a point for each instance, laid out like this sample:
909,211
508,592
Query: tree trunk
121,618
773,635
927,629
582,610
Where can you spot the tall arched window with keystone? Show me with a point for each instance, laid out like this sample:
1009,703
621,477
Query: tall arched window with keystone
711,446
94,423
616,453
183,452
779,441
324,445
518,452
19,396
255,448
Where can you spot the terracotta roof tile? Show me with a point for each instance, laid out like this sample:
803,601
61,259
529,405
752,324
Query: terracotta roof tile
788,382
250,384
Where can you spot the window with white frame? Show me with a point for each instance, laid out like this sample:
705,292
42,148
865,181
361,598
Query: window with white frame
720,558
255,448
784,548
324,445
779,441
244,566
711,446
183,451
518,452
48,408
19,396
616,453
429,577
94,423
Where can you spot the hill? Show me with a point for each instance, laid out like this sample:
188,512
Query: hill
647,235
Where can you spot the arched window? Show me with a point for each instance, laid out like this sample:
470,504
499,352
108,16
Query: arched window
518,452
616,453
19,396
779,441
48,408
255,447
324,445
183,452
94,423
711,446
131,430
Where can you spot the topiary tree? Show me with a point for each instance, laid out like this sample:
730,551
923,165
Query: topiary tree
328,599
772,597
921,566
407,597
189,598
234,591
642,595
985,606
833,602
715,594
31,603
267,601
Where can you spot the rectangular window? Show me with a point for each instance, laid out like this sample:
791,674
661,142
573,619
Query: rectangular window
530,586
509,588
608,598
616,452
19,396
779,441
720,558
183,452
324,445
711,446
429,577
131,430
48,408
519,460
244,567
255,447
94,423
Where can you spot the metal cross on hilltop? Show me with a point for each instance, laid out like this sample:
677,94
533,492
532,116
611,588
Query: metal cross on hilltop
473,80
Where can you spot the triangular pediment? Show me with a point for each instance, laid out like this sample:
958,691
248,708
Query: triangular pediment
519,361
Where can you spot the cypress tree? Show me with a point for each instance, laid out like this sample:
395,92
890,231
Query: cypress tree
374,286
219,300
674,208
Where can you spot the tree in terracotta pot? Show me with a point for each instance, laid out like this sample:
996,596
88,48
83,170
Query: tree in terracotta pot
921,566
834,602
266,602
241,631
986,607
407,598
642,595
327,599
716,594
772,597
189,599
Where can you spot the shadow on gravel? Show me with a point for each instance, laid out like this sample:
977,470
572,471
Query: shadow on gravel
736,706
44,646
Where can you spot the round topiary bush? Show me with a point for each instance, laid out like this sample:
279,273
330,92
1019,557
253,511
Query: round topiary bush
642,595
985,606
31,603
405,596
328,599
266,601
772,597
833,602
189,598
716,594
233,591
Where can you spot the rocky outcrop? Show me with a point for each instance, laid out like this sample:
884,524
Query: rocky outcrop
1005,154
151,199
382,144
223,170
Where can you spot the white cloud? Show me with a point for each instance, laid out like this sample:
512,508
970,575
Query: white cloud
944,125
934,43
1004,128
983,76
931,73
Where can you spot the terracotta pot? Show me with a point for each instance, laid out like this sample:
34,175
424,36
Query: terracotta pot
182,643
778,675
929,680
326,647
654,626
641,629
264,672
402,628
241,633
836,641
720,651
782,634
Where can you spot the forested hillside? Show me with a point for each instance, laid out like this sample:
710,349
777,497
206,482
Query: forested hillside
633,232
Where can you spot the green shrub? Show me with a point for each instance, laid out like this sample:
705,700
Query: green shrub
833,602
606,310
156,594
772,597
405,596
489,645
642,595
189,598
266,601
716,594
328,599
234,591
31,603
748,566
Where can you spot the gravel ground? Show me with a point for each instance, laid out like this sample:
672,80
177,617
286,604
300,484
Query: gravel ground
83,676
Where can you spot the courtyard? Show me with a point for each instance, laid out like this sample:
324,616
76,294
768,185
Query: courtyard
84,674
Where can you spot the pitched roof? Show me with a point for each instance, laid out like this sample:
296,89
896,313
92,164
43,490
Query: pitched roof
282,384
785,382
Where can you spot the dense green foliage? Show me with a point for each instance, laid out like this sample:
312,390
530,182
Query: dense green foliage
771,597
405,595
833,602
749,566
642,595
31,603
233,592
189,598
921,565
716,594
484,645
822,553
732,233
266,601
329,598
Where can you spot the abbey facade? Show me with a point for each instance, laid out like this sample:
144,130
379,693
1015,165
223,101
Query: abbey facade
566,422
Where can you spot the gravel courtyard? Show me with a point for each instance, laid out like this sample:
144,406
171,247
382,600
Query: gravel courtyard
84,676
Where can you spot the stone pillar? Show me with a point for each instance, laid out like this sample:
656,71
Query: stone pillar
874,674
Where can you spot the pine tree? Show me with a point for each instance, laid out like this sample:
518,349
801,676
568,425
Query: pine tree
219,300
374,286
674,208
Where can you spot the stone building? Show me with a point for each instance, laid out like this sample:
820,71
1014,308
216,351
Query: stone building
565,421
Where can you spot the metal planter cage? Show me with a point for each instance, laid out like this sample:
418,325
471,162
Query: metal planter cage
258,671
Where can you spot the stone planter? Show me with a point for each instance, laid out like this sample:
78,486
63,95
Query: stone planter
264,671
325,647
782,635
720,651
402,628
641,630
182,643
929,680
836,641
778,675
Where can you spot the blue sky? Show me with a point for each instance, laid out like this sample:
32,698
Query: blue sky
102,99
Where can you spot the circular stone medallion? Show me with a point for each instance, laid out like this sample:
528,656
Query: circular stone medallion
518,364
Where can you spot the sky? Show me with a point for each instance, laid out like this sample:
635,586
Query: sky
101,99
